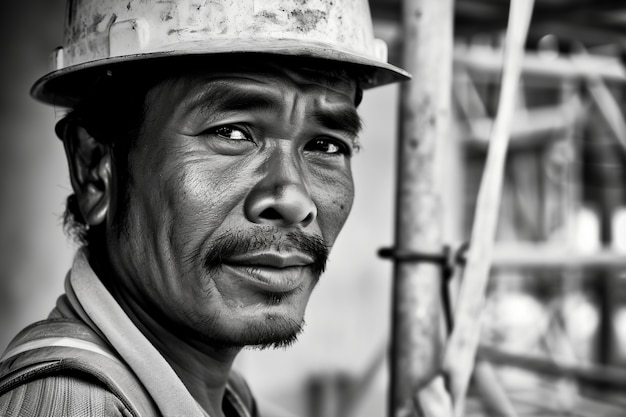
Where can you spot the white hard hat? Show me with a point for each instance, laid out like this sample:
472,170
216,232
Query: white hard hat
101,33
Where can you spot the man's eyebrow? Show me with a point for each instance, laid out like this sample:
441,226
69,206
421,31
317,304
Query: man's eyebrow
345,119
226,97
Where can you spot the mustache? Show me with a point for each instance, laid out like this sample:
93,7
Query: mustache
232,244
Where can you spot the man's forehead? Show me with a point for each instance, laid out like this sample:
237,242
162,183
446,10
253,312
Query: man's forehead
332,80
329,98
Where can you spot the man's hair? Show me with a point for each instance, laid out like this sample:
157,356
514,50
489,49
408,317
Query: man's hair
113,113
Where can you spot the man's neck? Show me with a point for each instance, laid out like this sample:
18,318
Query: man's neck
203,369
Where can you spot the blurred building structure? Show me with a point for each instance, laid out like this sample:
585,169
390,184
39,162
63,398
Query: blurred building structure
556,298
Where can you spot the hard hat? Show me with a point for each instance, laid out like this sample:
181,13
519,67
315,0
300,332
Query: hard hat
101,33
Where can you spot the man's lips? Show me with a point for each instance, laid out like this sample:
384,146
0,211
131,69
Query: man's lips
270,259
270,271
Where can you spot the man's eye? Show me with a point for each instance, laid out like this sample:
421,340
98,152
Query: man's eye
230,133
328,146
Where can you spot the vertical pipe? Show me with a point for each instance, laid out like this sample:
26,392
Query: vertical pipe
424,122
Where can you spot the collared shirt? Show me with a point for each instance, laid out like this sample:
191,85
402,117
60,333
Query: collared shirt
87,298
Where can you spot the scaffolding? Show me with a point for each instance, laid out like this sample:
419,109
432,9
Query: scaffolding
570,55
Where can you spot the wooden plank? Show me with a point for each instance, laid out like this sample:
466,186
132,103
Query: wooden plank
540,256
461,348
591,374
467,96
425,120
494,396
607,104
587,32
532,124
488,60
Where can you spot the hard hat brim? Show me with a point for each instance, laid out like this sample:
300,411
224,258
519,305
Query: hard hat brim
65,87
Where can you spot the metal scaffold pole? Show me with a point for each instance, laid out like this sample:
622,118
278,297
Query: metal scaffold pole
417,336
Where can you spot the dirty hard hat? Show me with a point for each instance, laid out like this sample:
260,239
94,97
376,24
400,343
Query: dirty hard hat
104,33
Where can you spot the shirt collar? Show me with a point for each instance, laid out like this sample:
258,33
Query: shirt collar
158,377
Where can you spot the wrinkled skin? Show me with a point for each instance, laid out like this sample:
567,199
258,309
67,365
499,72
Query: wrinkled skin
240,184
268,172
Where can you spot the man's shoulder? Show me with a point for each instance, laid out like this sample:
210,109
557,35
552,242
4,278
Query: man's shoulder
63,363
64,394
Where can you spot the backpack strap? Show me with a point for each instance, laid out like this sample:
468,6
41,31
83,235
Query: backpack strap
63,345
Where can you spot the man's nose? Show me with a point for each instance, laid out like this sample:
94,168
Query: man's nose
281,197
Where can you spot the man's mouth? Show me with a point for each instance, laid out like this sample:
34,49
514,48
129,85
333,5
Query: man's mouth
270,271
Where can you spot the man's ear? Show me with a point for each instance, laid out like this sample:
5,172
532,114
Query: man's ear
90,172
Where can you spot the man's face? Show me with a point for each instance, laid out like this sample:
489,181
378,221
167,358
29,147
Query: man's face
240,183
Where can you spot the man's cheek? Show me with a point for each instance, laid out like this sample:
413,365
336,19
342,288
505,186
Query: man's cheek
333,215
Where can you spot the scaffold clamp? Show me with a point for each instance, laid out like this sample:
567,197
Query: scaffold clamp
448,258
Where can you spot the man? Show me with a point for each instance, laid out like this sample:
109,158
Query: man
209,149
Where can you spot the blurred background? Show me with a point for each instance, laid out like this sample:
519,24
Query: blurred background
556,311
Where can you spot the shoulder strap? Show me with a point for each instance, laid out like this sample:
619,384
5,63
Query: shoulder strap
55,346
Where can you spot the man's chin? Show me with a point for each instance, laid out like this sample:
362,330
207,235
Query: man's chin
272,332
277,343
